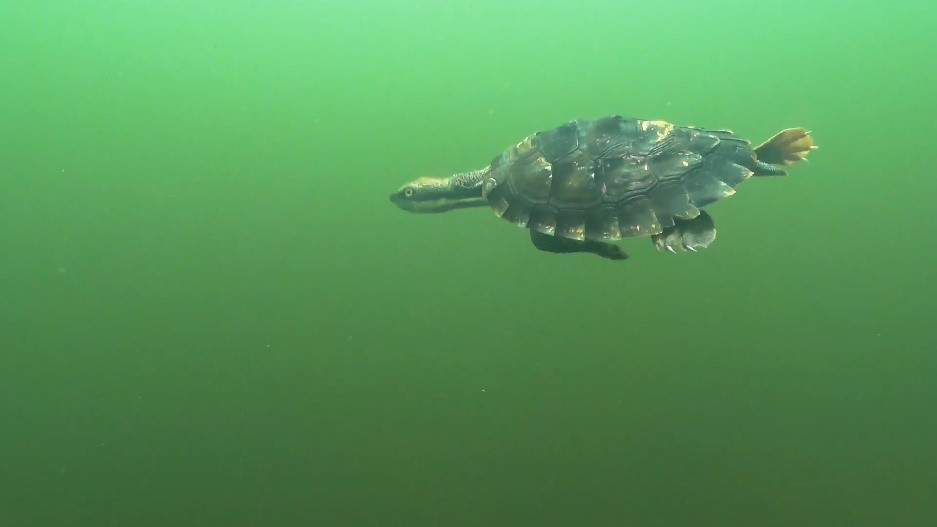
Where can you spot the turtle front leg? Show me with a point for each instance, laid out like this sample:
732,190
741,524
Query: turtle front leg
690,235
560,245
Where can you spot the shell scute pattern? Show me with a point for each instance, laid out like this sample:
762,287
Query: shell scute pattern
558,144
614,177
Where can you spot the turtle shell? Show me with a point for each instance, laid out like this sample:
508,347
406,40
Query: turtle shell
614,177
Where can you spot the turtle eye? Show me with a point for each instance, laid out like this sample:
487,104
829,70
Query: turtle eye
408,192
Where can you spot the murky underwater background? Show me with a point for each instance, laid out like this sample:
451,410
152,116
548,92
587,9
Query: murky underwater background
213,316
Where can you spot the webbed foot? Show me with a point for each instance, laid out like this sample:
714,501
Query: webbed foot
687,235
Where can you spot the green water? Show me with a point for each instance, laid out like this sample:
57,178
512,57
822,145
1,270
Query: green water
213,316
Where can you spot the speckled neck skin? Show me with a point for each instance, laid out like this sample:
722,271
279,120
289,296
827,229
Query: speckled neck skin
472,181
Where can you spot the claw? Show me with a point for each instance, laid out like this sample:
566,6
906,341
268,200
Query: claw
686,235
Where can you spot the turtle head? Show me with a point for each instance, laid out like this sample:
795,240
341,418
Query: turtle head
430,195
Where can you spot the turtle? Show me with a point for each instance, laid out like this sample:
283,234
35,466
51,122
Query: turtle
583,185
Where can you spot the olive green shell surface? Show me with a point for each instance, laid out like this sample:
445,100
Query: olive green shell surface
614,177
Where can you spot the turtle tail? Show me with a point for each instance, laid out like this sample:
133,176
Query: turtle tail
786,147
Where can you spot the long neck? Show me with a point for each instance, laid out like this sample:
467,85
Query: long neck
465,189
468,184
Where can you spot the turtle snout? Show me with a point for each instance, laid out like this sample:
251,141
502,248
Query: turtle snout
404,197
401,200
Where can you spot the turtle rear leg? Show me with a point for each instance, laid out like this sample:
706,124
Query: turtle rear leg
561,245
786,147
690,235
